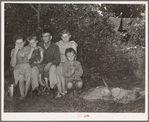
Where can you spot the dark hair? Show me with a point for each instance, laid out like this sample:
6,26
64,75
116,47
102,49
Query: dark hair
69,50
18,36
47,31
32,37
65,32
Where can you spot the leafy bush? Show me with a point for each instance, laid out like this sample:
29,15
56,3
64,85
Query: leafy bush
133,51
102,52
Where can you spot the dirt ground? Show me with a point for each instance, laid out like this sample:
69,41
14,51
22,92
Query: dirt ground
44,103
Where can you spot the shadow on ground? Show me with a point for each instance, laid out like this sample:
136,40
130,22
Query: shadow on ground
44,103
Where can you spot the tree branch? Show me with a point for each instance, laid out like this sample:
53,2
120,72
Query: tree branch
34,8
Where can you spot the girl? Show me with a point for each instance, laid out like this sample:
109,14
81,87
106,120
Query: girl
20,64
63,45
35,59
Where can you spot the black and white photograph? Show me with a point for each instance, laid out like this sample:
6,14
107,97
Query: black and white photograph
74,60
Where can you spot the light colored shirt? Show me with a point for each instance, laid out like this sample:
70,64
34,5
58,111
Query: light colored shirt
67,68
62,46
21,59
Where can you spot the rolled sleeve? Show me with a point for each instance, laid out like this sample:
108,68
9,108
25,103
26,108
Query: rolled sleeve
56,60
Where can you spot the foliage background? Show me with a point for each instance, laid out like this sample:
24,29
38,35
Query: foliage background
102,52
117,57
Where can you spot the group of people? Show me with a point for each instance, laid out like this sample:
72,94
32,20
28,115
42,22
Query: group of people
53,63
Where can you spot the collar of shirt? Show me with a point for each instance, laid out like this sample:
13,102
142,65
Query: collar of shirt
47,45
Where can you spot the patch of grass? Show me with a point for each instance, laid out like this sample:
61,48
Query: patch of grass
44,103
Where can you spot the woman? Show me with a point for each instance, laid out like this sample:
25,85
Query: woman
63,45
20,64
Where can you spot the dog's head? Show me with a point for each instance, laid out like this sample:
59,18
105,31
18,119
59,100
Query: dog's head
106,92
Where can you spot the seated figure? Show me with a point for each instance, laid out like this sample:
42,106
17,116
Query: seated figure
35,58
20,64
50,61
72,71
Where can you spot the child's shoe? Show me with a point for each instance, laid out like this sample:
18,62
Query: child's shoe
58,95
21,98
65,91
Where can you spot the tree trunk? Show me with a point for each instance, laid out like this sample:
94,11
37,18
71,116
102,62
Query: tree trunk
38,15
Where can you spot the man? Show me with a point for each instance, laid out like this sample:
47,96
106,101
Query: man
51,58
50,61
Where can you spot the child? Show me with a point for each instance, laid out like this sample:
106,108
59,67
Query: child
35,56
72,71
63,45
66,43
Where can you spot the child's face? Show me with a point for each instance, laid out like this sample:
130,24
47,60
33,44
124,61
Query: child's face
65,37
71,56
33,43
20,43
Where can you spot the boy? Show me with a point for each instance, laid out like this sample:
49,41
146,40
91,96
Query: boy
72,71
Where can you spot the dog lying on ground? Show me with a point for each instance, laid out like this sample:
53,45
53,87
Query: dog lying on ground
116,94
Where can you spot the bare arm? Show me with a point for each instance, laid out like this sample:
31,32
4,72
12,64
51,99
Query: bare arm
13,61
41,55
30,54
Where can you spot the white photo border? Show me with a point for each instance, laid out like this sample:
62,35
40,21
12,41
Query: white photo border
73,116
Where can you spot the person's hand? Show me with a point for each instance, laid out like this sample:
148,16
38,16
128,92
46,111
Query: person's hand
46,68
72,72
32,49
77,77
73,69
16,49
